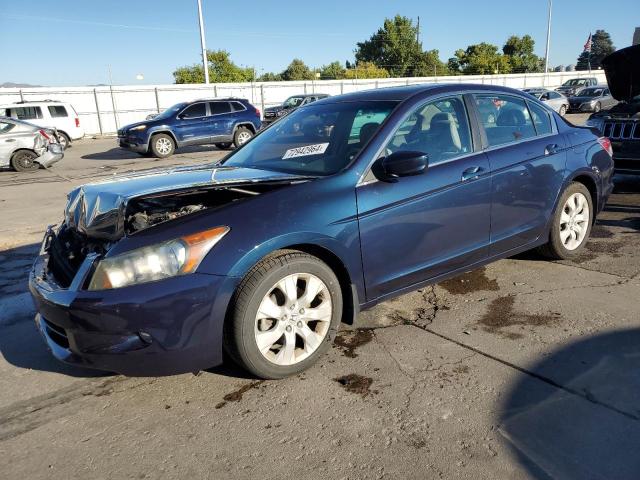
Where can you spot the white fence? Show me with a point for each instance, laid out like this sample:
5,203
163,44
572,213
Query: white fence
104,109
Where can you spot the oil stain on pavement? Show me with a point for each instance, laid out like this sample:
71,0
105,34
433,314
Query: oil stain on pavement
357,384
236,395
501,315
349,341
470,282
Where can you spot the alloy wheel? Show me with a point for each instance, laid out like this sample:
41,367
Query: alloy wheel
293,319
243,137
163,146
574,221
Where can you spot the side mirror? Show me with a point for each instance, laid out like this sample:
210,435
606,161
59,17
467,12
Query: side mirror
400,164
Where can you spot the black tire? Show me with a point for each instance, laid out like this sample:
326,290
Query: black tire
162,145
555,248
563,110
597,107
24,161
64,140
239,336
242,136
223,146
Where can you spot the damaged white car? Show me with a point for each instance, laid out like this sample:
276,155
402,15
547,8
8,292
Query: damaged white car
26,147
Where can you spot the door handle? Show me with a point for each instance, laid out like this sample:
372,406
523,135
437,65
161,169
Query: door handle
551,149
10,140
471,173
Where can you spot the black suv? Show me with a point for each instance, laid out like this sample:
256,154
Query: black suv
221,121
272,114
621,123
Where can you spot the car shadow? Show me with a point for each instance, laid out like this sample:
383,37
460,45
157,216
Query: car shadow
577,415
123,154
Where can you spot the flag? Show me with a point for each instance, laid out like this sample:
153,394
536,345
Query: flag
587,46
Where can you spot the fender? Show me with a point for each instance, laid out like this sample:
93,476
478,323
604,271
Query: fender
162,129
249,125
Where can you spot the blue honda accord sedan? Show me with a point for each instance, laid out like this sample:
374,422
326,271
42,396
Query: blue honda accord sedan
342,204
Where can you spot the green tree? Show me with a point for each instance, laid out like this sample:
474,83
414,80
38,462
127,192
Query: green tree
297,70
395,47
221,70
519,52
333,71
270,77
365,70
481,59
601,46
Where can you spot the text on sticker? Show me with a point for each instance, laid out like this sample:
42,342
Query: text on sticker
317,149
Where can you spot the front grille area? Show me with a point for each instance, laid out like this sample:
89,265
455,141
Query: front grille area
621,130
67,251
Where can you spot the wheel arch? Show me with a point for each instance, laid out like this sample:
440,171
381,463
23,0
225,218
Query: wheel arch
165,131
248,125
591,185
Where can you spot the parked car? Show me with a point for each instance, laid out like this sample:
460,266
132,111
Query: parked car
60,116
573,85
220,121
271,114
555,100
621,123
592,99
265,253
26,147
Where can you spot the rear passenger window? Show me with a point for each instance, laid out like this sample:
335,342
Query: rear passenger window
194,111
26,113
439,128
6,127
505,119
57,111
237,107
541,119
218,108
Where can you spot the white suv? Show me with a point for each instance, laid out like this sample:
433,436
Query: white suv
49,114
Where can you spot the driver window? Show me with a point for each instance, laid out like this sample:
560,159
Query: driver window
439,128
195,111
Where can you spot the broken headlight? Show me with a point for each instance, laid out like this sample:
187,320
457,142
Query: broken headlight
155,262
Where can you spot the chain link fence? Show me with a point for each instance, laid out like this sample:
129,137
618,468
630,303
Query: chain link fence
104,109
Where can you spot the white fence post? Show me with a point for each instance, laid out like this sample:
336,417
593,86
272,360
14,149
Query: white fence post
113,104
262,98
95,97
157,99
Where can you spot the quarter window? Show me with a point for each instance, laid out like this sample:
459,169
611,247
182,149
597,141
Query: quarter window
57,111
218,108
237,107
439,128
194,111
6,127
541,119
26,113
505,119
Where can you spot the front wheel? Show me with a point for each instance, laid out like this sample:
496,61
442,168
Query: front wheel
162,145
572,221
285,314
242,136
597,107
25,161
64,140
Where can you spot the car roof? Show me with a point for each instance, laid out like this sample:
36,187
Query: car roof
400,94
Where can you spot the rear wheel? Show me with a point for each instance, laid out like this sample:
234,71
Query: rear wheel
563,110
223,146
242,136
597,107
572,222
64,140
162,145
24,161
285,314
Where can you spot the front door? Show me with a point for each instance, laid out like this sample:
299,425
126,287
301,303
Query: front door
423,226
192,125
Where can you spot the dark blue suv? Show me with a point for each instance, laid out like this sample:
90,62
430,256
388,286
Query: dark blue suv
219,121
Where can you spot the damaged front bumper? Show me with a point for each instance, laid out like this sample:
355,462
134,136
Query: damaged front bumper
165,327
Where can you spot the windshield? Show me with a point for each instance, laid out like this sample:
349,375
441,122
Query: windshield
292,101
171,111
574,82
590,92
314,140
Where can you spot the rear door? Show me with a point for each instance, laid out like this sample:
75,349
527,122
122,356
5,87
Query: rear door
222,121
191,126
527,157
423,226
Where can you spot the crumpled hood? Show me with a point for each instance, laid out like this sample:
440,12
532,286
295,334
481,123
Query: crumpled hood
98,209
622,69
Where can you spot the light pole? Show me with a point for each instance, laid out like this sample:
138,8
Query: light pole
202,43
546,54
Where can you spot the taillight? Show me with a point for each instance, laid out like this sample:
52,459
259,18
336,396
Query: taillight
77,122
258,112
44,134
605,143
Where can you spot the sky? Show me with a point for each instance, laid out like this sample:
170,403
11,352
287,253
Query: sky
75,42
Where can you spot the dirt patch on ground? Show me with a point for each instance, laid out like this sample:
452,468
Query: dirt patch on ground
609,248
356,384
474,281
236,395
350,341
501,315
598,231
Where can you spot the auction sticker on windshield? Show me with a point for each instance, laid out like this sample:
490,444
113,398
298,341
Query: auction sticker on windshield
317,149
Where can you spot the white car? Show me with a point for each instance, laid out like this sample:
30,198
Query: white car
48,114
